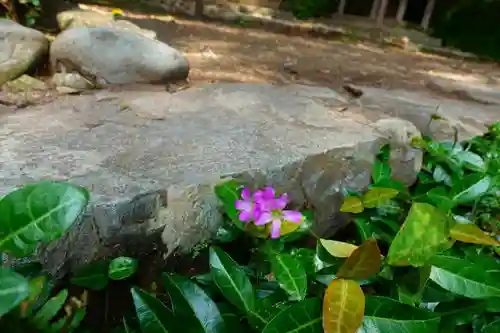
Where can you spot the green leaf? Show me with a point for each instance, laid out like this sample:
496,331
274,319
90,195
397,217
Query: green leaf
459,312
38,213
364,262
377,196
192,305
121,268
352,205
301,317
364,228
290,275
384,314
472,234
92,276
411,282
440,175
37,285
470,188
231,280
304,228
343,307
493,327
424,233
462,277
380,171
228,192
50,309
153,315
471,161
338,249
306,258
14,288
440,198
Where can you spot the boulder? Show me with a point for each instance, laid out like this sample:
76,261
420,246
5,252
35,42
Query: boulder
151,159
20,49
89,19
111,56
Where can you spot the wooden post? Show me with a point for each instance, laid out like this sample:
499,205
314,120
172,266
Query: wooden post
341,7
381,13
426,20
400,15
374,10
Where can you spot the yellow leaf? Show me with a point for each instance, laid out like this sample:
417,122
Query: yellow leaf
377,196
352,205
471,233
288,227
261,231
343,307
364,262
338,249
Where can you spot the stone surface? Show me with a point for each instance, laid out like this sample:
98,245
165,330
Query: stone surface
473,90
25,83
151,159
20,49
90,19
111,56
72,80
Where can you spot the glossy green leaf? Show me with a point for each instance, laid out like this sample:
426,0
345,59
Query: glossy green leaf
425,232
411,282
384,314
352,205
50,309
14,288
493,327
440,197
153,315
465,278
459,312
472,234
301,317
231,280
290,275
471,161
364,228
92,276
440,175
380,171
338,249
306,258
470,188
192,305
38,213
36,286
364,262
121,268
228,192
343,307
376,196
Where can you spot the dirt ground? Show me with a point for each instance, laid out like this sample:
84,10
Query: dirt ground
221,53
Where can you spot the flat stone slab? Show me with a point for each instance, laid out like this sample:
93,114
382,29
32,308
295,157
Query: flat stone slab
150,159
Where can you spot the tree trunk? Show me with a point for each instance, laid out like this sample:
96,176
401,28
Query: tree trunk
426,20
341,8
374,10
400,16
381,13
199,8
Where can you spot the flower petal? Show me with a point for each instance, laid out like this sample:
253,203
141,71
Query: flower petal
243,205
246,195
268,193
275,228
265,217
280,202
292,216
245,216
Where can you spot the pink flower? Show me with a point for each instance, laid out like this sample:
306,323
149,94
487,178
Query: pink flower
264,207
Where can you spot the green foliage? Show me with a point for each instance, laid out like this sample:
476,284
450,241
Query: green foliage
305,9
22,11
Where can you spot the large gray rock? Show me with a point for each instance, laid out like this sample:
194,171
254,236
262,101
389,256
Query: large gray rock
151,159
112,56
20,49
474,90
88,19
